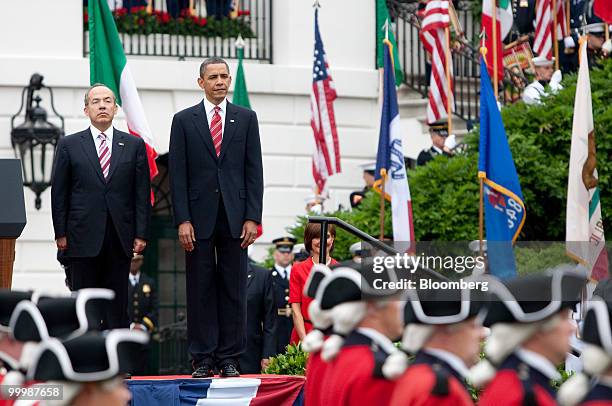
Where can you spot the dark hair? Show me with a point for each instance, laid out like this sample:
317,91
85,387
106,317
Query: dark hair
212,61
313,230
98,85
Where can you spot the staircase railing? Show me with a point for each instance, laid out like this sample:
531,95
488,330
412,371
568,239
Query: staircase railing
422,272
466,64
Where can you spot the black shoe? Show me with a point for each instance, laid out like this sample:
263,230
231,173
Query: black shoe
229,371
203,371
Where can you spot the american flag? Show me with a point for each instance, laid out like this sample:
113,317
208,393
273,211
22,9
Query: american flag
432,34
542,44
326,157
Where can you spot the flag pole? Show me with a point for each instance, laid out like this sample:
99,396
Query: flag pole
554,33
383,179
495,62
481,215
448,81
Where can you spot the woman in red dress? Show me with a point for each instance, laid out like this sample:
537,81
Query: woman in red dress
299,274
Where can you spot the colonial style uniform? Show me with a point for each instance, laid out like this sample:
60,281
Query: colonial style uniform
435,376
593,386
280,287
520,308
355,377
353,374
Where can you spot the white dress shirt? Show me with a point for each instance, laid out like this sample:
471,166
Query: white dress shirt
95,133
284,272
210,112
134,278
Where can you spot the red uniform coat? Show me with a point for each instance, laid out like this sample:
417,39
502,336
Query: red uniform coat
352,378
430,381
509,390
297,280
315,372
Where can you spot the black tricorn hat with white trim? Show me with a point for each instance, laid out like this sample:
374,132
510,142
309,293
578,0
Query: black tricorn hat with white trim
597,327
95,356
8,301
535,297
443,306
60,317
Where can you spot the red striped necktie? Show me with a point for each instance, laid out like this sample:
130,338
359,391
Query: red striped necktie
104,155
215,130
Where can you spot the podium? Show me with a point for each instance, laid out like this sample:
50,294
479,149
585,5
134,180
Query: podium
12,216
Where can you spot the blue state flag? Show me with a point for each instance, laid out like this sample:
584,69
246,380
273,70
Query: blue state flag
503,199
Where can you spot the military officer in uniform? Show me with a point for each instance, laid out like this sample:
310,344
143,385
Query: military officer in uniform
261,321
142,307
543,76
442,143
283,258
369,176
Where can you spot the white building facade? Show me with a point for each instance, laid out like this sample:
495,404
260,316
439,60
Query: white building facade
46,37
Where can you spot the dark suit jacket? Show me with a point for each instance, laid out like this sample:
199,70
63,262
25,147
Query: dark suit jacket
284,321
261,320
198,179
81,199
143,304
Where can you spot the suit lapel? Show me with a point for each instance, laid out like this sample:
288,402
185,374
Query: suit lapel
201,122
229,128
118,147
89,147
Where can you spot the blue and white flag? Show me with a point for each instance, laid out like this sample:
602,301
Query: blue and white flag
503,199
390,166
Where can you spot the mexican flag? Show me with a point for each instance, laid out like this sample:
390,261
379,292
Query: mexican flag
241,94
504,24
584,232
108,65
382,21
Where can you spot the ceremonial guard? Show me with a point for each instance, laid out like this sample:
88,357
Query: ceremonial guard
261,321
543,76
89,368
593,386
443,329
369,176
530,335
143,308
370,320
283,259
143,305
442,143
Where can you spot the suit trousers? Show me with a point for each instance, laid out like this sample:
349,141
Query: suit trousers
110,270
216,277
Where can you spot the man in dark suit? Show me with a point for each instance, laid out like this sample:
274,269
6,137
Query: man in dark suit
216,180
283,258
261,321
143,307
100,199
